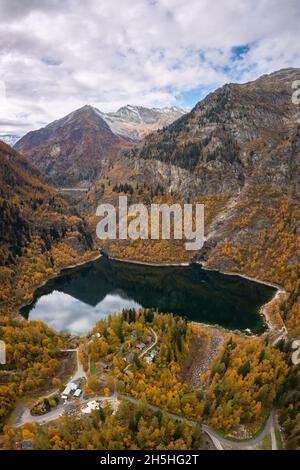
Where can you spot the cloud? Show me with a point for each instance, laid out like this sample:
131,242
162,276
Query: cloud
12,9
56,56
51,61
74,316
12,123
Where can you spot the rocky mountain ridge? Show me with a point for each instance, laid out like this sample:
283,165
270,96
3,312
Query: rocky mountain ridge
80,147
238,135
75,149
135,122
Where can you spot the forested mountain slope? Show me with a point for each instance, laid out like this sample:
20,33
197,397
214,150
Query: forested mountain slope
38,230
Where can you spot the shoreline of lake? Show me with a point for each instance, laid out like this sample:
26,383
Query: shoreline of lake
263,309
54,275
146,263
206,268
116,276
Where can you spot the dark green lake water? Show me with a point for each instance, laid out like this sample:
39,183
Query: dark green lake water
78,298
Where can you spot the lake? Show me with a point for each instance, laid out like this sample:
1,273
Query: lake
76,299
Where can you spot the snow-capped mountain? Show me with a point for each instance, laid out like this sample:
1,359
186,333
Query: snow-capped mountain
10,139
134,122
80,146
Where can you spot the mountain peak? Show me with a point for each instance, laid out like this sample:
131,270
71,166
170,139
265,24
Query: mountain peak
81,145
75,148
234,137
85,107
135,122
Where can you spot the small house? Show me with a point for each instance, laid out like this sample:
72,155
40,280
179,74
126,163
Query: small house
71,387
149,358
129,357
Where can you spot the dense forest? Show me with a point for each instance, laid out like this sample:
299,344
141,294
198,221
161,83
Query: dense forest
133,427
247,378
39,232
241,387
33,361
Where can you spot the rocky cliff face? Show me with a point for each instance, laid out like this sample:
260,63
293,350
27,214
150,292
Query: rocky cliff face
238,135
75,149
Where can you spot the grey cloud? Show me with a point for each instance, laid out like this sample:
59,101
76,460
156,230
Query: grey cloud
10,9
51,61
110,52
11,123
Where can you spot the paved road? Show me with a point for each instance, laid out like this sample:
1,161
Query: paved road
274,425
243,444
151,345
218,440
75,190
54,414
80,371
273,438
25,417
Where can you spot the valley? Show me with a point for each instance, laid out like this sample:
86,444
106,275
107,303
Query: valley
217,367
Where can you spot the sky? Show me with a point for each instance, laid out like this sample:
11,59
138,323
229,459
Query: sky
58,55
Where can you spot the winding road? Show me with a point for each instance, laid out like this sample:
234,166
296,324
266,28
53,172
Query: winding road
239,444
218,440
24,416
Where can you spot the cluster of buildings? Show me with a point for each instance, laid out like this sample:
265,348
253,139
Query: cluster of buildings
72,389
140,349
150,357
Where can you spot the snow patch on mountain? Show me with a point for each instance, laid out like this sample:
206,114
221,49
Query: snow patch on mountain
10,139
135,122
